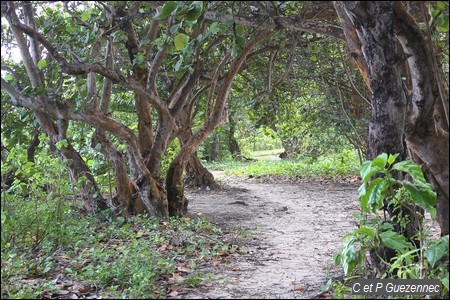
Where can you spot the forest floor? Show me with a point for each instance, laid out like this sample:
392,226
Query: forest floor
296,228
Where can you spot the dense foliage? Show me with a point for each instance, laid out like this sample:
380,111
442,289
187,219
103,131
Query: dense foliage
422,256
107,107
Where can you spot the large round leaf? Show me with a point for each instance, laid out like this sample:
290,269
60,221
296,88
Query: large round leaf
180,40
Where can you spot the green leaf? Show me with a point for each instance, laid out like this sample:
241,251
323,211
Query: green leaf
85,16
367,171
365,168
120,220
40,90
441,5
145,41
180,40
42,63
386,226
372,197
174,29
442,26
349,256
61,143
71,30
195,11
392,158
363,197
98,147
337,257
437,251
380,161
214,28
348,267
412,169
367,231
313,58
444,281
394,240
239,30
168,8
240,42
423,196
377,189
327,286
178,64
139,59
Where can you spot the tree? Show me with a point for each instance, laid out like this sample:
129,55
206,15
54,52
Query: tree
150,54
406,116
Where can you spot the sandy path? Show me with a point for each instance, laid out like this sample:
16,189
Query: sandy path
299,227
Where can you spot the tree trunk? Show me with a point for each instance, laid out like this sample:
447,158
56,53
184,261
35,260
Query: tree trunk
164,134
198,175
233,145
80,173
122,199
372,25
175,188
31,149
378,45
215,147
426,123
419,125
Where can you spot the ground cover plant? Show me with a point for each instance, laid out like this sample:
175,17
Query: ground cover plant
109,257
392,240
332,167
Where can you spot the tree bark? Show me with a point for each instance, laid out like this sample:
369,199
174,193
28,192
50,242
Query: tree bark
215,147
233,145
370,26
197,174
31,149
378,47
397,124
426,128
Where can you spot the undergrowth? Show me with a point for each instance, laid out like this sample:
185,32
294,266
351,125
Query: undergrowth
326,167
114,258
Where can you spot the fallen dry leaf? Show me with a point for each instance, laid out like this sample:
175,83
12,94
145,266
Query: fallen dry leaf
299,288
216,262
63,292
78,288
184,269
142,233
176,277
165,247
172,294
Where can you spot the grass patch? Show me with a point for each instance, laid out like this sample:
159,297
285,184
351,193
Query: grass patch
114,258
326,167
266,154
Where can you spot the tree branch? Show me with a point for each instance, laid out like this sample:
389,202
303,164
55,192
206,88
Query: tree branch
279,22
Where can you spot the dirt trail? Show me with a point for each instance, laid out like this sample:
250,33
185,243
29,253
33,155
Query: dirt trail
299,226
